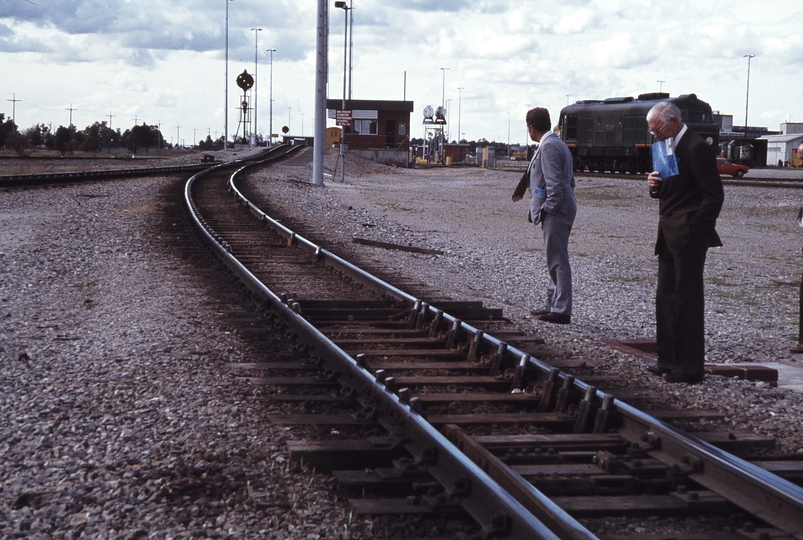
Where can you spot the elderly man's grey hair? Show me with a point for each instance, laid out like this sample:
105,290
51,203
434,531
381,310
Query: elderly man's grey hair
664,110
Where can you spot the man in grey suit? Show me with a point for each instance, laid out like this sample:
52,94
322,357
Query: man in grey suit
553,207
690,202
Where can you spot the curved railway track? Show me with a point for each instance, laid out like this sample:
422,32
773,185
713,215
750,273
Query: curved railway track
425,406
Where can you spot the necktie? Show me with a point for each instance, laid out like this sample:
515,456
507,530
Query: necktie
522,186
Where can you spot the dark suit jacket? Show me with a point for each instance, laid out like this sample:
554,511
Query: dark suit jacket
691,201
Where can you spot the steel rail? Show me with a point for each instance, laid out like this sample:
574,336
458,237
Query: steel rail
16,180
763,494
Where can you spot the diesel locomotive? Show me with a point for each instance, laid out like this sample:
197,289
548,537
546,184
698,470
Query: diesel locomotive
611,135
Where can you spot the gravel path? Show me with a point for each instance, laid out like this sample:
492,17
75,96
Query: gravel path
119,419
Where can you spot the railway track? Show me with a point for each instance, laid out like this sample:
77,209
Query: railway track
420,405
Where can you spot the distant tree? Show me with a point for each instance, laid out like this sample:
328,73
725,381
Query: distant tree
38,135
64,139
93,141
143,136
205,144
98,136
7,129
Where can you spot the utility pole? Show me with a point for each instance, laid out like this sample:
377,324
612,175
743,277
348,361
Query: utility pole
14,101
660,85
193,137
178,137
71,110
110,119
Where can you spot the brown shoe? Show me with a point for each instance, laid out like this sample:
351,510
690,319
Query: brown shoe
539,312
556,318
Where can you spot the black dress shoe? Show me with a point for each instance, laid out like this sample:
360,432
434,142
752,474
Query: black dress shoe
556,318
539,312
682,378
657,370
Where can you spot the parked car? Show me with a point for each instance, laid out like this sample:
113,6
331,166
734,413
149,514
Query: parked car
734,169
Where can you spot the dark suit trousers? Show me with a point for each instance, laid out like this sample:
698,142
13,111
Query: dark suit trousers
680,309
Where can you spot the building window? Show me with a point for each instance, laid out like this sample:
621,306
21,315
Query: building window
363,127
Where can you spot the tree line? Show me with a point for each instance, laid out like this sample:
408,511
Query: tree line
97,137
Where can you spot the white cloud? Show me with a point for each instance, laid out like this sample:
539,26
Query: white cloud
163,61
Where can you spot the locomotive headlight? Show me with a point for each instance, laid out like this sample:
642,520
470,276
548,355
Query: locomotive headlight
709,141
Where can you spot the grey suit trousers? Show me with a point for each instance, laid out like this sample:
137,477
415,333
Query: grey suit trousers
556,229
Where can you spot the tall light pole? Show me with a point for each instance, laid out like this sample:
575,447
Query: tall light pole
270,98
448,115
351,42
508,133
255,88
747,96
459,107
527,134
342,5
443,91
226,76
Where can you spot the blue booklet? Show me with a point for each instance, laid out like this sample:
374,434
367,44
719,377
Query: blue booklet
662,161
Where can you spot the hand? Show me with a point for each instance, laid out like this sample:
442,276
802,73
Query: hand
516,198
654,181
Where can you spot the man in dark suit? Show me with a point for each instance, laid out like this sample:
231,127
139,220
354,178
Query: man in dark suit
690,203
553,206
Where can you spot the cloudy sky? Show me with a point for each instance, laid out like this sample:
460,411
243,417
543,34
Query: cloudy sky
162,61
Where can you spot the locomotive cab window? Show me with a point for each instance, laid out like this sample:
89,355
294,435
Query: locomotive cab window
570,126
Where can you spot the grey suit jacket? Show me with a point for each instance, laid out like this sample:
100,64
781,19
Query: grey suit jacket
551,170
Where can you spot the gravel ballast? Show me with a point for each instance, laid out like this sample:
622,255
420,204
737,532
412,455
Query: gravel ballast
121,421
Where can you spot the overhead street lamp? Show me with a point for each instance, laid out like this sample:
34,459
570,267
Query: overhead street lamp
270,98
747,95
255,89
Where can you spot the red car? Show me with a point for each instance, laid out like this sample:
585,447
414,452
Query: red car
734,169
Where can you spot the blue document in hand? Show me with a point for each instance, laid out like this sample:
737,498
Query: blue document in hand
662,161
